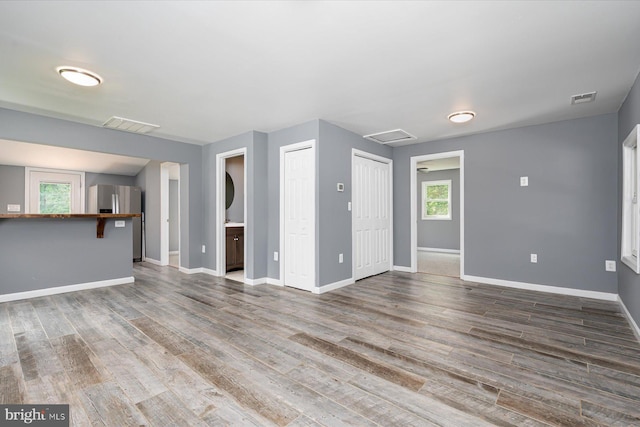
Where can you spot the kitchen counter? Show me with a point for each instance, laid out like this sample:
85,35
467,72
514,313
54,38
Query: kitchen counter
100,223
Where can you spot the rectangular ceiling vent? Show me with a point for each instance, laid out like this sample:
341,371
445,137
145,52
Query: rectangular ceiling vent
583,98
390,136
129,125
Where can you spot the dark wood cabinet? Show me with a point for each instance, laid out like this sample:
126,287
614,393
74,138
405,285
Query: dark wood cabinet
235,248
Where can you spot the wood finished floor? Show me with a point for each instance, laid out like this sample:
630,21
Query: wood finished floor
392,350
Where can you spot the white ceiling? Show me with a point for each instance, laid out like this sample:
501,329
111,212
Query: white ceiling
204,71
45,156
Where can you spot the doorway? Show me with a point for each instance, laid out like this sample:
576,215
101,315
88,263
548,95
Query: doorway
297,215
371,214
231,214
170,214
437,213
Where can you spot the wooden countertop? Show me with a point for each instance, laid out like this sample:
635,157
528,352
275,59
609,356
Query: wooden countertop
100,218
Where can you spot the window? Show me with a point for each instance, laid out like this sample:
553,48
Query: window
630,213
436,199
54,191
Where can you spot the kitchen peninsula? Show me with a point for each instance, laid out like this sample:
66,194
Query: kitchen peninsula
56,253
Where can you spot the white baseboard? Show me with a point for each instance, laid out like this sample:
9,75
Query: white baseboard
209,271
444,251
333,286
152,261
543,288
255,282
634,325
64,289
402,268
275,282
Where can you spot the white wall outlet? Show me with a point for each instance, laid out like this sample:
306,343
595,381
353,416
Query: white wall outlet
349,206
340,258
340,187
524,181
275,256
534,258
119,224
13,208
610,265
204,249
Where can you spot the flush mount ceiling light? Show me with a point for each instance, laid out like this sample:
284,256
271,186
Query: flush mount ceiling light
79,76
461,116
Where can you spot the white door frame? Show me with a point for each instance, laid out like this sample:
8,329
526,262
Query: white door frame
283,150
221,249
359,153
414,204
164,212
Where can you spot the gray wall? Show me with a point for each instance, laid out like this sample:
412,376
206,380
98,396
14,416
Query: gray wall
19,126
174,211
45,253
235,169
11,187
440,234
628,281
567,214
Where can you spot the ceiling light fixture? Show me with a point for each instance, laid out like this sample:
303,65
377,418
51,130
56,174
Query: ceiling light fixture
79,76
461,116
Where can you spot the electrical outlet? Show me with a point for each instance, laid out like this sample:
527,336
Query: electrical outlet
349,206
534,258
119,224
610,265
275,256
204,249
340,258
524,181
13,208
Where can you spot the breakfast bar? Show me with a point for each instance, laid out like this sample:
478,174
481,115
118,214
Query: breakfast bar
55,253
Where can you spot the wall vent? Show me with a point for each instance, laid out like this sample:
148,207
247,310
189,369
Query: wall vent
390,136
129,125
583,98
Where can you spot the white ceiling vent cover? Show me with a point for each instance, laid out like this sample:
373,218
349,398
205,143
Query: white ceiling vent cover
583,98
390,136
129,125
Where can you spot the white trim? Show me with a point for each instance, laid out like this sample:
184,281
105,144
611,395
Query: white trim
414,204
543,288
209,271
255,282
283,150
440,250
174,252
152,261
333,286
634,325
274,282
630,249
64,289
402,269
164,213
221,264
27,186
370,156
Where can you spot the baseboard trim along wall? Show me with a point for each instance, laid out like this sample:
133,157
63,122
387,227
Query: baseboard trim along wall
543,288
64,289
153,261
333,286
634,325
402,268
442,251
255,282
275,282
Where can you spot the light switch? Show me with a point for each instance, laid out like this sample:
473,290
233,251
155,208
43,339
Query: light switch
534,258
349,206
524,181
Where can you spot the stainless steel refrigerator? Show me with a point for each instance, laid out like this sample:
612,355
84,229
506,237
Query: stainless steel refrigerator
105,198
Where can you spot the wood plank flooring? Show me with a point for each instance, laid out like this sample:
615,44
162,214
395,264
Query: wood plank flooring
392,350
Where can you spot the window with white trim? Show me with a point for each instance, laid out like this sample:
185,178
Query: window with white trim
630,213
53,191
436,199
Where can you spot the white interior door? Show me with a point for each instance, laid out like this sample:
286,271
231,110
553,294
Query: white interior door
299,219
371,217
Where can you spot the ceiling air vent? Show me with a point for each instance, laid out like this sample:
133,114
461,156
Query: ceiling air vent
390,136
583,98
128,125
